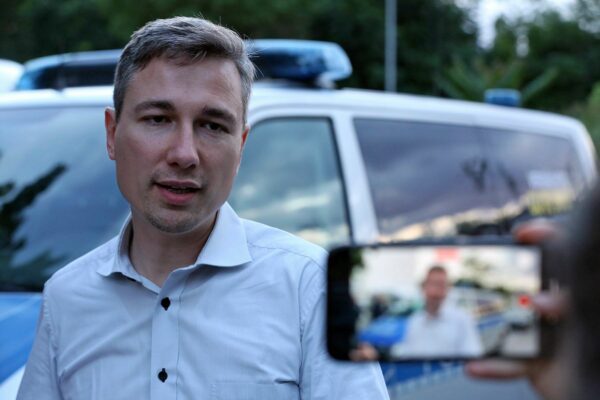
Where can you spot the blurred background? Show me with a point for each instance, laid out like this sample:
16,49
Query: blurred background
547,49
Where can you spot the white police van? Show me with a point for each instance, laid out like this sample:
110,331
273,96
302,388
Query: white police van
333,166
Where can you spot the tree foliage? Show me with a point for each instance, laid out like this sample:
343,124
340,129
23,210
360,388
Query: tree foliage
554,42
34,28
430,32
465,82
587,12
588,112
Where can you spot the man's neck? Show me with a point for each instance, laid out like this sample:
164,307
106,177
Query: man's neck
432,312
155,254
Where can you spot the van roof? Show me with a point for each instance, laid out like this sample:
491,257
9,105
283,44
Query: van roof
363,102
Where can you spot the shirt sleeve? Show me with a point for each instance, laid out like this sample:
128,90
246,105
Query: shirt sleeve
40,381
323,378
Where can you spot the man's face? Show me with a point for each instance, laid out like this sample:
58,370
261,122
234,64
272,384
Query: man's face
435,289
178,142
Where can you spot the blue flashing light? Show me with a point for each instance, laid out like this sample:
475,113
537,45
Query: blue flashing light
503,97
300,60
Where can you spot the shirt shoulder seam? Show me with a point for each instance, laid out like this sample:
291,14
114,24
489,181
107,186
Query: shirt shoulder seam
299,254
46,315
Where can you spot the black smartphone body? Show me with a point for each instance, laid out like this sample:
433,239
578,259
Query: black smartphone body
431,300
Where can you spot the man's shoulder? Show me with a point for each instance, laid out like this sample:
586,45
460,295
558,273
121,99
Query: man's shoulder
82,270
264,238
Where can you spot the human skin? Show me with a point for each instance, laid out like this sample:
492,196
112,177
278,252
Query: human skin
177,147
435,290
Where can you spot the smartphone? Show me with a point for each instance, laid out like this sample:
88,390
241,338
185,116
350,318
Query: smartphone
425,300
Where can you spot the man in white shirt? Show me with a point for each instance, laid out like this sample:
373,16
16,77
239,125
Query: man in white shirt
189,301
439,330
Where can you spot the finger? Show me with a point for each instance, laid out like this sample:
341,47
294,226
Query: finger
364,352
551,305
552,302
536,231
497,369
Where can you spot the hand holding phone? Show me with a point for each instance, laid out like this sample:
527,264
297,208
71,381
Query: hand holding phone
546,375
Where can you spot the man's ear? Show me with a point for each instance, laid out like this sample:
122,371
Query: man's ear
110,124
244,137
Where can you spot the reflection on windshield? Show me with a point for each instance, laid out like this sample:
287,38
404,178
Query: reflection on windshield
13,275
58,195
476,169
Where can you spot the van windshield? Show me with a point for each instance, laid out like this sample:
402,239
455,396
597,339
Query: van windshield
58,196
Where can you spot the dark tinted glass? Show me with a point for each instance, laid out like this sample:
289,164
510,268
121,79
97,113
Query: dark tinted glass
58,196
427,179
290,179
434,180
38,79
59,77
534,175
89,75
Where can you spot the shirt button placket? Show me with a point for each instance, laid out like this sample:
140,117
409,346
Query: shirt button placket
165,343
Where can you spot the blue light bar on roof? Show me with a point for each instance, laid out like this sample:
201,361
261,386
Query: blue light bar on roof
300,60
503,97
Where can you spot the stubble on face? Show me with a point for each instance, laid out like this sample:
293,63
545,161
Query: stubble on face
186,220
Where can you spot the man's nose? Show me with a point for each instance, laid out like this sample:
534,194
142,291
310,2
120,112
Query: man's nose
182,150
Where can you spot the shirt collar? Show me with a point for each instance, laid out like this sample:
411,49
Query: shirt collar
226,246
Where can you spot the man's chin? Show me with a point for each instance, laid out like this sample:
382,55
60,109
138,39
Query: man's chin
174,226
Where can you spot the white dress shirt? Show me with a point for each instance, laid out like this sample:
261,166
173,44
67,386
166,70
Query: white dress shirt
244,322
451,333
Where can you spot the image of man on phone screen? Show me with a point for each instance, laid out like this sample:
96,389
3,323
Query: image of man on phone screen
439,328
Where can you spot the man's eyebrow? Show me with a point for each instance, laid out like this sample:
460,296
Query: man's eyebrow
159,104
219,113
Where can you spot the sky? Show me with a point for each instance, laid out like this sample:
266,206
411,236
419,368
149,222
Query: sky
489,10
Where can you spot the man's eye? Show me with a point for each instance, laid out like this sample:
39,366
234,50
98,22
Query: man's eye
156,119
213,126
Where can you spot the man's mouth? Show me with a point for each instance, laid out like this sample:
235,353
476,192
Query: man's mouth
179,188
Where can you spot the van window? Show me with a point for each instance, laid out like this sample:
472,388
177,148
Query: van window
534,175
290,178
58,196
427,179
61,76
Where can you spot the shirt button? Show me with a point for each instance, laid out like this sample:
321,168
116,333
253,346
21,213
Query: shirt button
165,303
162,375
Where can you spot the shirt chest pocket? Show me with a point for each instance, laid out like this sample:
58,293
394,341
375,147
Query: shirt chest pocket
254,391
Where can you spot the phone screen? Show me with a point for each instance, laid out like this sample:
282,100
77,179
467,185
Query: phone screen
432,302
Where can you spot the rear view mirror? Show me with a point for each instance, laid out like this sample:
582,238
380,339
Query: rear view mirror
431,301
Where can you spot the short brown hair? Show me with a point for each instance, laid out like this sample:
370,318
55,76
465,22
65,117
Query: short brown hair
184,40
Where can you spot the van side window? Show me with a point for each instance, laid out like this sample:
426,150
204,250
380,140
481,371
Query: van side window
537,175
451,179
427,179
290,178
